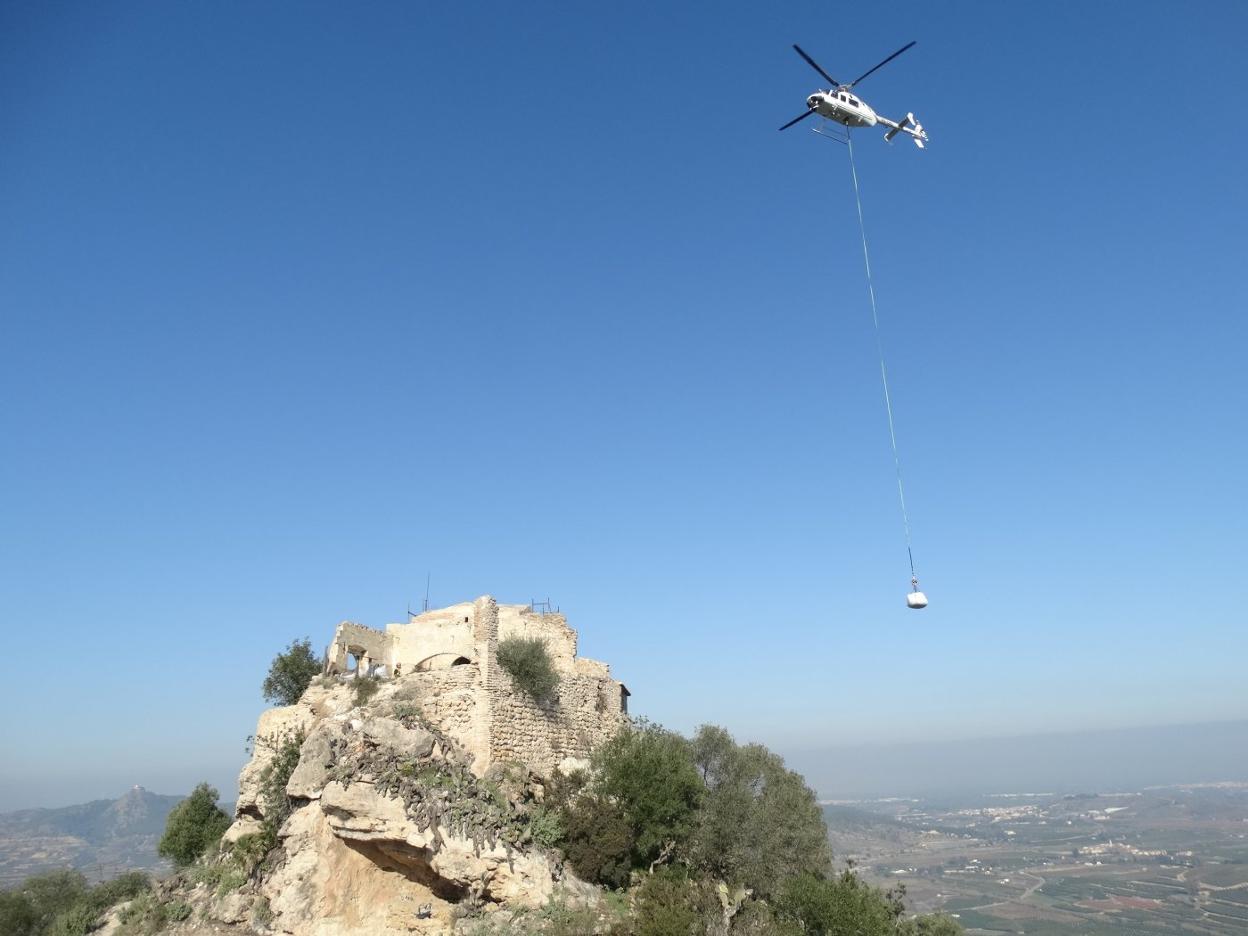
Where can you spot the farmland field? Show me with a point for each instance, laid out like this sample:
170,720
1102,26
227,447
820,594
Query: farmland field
1155,862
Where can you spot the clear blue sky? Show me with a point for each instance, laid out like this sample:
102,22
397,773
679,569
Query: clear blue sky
301,301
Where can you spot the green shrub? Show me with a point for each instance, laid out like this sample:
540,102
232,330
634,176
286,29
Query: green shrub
562,789
78,920
290,673
240,859
935,924
51,893
194,825
721,838
250,849
17,914
147,915
598,840
365,688
60,903
556,918
262,913
122,887
232,878
546,827
527,661
559,919
840,904
648,772
276,774
408,714
178,910
670,903
208,873
247,852
143,916
757,918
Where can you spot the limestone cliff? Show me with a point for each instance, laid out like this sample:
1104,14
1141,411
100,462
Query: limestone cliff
397,814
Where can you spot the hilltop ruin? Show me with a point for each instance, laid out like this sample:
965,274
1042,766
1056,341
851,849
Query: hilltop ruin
447,660
403,805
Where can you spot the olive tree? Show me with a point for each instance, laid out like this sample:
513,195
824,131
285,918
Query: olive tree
193,826
759,822
649,772
290,673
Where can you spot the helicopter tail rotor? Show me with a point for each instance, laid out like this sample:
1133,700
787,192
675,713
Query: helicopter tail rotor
918,134
911,128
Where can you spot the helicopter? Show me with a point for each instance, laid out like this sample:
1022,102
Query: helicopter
842,105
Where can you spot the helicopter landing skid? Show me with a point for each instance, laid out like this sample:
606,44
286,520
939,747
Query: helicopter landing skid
832,130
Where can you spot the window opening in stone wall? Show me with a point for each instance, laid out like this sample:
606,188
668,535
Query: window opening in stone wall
460,661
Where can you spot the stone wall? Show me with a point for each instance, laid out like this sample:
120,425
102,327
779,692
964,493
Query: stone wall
365,643
475,701
562,733
449,700
552,629
446,633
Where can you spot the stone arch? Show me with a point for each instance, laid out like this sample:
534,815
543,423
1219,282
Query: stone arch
443,660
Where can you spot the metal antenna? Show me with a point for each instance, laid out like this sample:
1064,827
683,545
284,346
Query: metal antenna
428,576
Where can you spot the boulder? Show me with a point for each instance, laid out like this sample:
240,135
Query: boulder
315,759
389,733
359,813
233,908
274,725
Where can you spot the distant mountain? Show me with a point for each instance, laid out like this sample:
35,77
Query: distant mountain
101,838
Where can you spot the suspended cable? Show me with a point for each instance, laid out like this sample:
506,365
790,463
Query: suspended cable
879,347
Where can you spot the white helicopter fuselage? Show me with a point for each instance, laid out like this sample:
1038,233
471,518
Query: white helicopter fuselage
844,107
847,108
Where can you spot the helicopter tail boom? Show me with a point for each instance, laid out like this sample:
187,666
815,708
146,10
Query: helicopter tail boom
908,126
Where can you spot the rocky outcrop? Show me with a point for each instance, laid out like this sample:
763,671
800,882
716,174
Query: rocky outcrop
389,830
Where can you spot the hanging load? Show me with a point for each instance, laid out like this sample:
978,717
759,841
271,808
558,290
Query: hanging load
842,106
916,600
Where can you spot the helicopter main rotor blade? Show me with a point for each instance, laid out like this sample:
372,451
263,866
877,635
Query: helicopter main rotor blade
796,119
815,65
881,65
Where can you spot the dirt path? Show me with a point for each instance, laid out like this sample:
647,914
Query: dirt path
1021,898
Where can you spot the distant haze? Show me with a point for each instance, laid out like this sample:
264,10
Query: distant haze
305,319
1087,761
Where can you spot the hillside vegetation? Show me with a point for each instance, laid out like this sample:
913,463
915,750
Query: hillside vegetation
705,836
656,835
